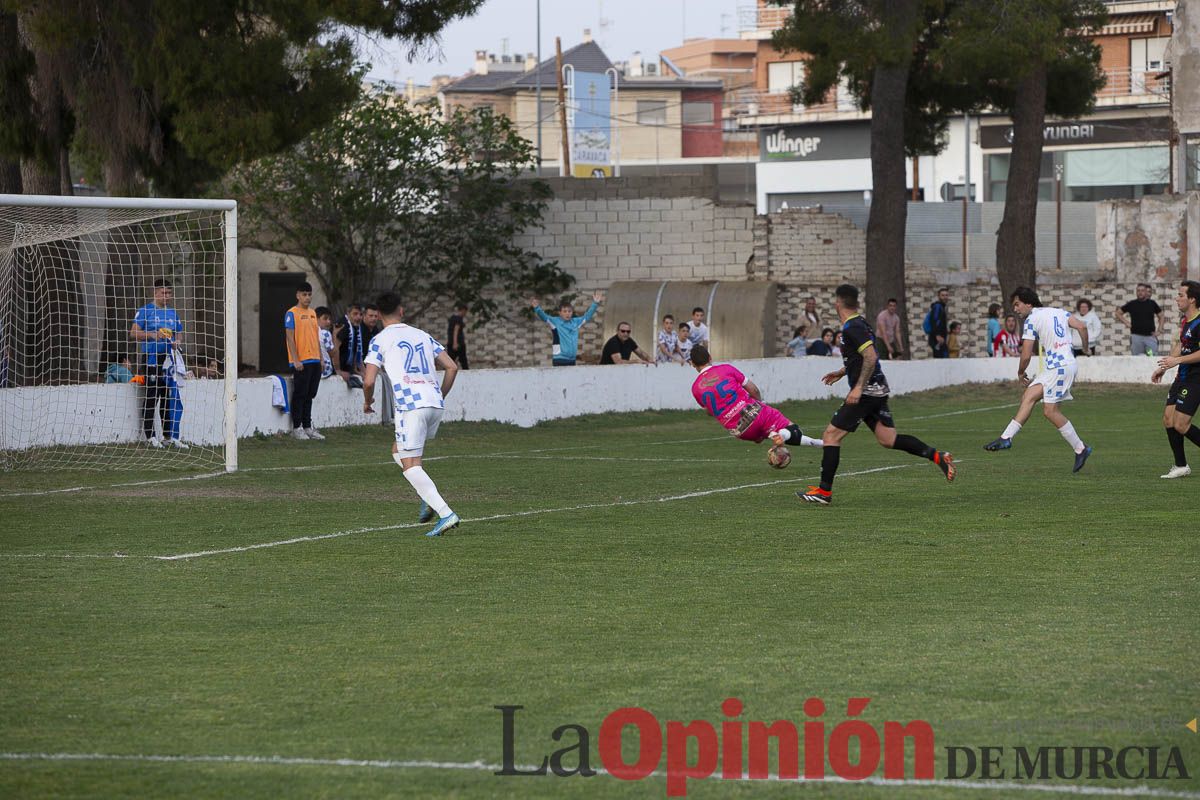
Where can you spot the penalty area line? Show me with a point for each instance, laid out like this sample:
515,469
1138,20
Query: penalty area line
1077,790
515,514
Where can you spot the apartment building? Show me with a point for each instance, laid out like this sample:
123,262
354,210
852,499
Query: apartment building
655,118
821,153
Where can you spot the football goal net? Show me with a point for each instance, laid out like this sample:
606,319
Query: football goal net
118,333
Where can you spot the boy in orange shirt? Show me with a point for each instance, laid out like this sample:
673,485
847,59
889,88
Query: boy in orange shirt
303,336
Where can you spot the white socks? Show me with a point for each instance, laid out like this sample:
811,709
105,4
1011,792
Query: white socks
1012,430
805,441
426,489
1068,433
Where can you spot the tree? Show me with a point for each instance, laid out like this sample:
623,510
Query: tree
882,49
176,92
394,197
1029,58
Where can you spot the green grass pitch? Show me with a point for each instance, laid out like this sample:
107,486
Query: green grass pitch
1021,605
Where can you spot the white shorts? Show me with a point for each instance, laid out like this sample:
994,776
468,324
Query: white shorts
414,428
1056,383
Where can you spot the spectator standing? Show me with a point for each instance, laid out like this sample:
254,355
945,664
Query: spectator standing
939,322
565,328
456,335
668,342
325,331
797,347
953,347
351,336
822,346
157,327
302,332
811,315
1144,323
1007,343
622,349
120,371
887,331
372,322
1085,312
685,344
697,330
994,326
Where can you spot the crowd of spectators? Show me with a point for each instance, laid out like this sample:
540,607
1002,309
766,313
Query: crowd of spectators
947,337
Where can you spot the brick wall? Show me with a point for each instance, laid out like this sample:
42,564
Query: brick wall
672,228
601,231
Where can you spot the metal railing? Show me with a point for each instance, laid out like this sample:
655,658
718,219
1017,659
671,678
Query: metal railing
761,18
753,102
756,102
1139,82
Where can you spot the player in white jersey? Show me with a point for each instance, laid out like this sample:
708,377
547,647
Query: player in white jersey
410,358
1051,328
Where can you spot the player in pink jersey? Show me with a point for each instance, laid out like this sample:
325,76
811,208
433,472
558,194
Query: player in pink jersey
725,393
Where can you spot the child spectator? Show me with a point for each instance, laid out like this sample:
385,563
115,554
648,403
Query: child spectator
668,342
822,346
994,326
1007,344
699,331
798,346
685,344
952,342
119,372
325,323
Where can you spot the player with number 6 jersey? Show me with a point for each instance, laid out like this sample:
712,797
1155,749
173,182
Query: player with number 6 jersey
1050,329
409,358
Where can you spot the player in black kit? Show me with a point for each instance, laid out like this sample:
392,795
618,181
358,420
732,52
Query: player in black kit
1184,398
867,401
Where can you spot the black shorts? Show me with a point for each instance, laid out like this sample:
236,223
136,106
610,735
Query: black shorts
871,410
1185,396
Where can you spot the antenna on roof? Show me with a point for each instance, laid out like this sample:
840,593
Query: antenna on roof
603,23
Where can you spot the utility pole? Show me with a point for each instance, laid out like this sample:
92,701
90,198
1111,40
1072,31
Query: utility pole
565,163
966,182
538,78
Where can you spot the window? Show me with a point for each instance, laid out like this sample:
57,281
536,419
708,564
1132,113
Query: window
783,75
698,114
549,111
997,177
1146,59
651,112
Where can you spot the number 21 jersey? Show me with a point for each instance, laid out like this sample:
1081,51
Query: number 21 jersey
408,354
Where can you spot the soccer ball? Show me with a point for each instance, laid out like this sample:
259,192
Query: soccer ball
779,456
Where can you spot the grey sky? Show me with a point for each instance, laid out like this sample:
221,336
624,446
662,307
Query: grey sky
649,26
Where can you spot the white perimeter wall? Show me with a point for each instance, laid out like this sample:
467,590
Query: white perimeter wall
112,413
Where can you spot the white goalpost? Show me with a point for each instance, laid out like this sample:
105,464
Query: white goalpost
118,333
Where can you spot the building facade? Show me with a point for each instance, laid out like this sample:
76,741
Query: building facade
653,118
821,153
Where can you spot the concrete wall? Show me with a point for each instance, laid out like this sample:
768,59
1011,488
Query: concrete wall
1184,55
1148,239
45,416
524,397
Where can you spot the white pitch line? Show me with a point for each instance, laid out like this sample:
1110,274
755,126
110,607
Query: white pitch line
514,515
482,766
964,411
201,477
